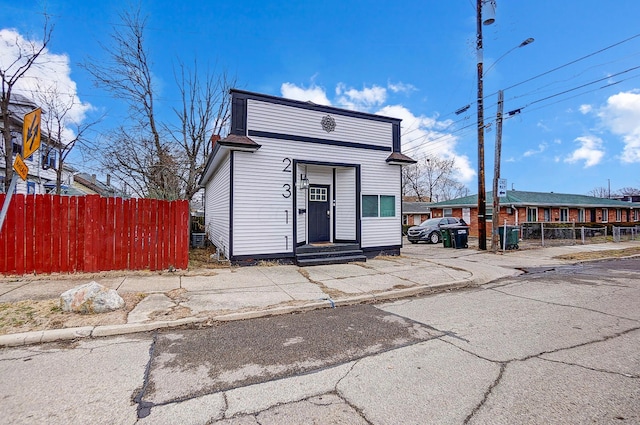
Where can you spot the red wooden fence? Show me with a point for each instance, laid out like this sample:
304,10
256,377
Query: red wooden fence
49,233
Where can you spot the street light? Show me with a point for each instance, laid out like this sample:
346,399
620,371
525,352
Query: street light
489,6
524,43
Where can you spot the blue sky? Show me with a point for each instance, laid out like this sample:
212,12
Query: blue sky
579,121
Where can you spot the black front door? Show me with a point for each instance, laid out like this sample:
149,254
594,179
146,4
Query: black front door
319,213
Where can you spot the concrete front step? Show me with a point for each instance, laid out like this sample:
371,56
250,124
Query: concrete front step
317,261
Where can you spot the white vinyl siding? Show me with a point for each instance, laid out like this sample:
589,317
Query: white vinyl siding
262,203
380,178
217,207
259,221
346,203
274,118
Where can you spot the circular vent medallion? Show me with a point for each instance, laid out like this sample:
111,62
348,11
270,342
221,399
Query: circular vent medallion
328,123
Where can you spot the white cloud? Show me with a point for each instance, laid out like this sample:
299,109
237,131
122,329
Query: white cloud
313,94
590,151
361,100
50,70
401,87
425,136
543,126
585,109
541,148
621,115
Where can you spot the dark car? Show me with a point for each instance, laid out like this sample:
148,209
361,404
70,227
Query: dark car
429,230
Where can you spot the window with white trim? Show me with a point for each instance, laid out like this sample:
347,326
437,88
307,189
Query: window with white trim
618,215
532,214
564,214
581,215
318,194
605,215
447,212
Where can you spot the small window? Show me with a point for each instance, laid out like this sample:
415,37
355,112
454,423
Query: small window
369,205
581,215
31,188
636,215
618,215
447,212
532,214
547,214
387,206
564,214
605,215
49,159
318,194
378,206
17,148
488,215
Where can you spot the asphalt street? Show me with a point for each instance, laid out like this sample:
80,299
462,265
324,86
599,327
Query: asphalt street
553,345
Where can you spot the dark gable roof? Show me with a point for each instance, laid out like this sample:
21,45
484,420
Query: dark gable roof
539,199
401,159
235,141
416,207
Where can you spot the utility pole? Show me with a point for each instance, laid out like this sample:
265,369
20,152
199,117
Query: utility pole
495,220
482,205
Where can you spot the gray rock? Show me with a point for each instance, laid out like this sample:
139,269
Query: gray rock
91,298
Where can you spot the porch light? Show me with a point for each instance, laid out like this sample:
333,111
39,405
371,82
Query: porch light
304,183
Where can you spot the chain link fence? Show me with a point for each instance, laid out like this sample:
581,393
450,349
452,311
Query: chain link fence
535,234
629,233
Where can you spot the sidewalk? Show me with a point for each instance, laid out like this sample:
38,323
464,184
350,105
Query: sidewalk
237,293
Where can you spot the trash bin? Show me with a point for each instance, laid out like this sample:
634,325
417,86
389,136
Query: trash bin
511,237
460,236
445,232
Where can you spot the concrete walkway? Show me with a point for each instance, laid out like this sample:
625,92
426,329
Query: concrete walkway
247,292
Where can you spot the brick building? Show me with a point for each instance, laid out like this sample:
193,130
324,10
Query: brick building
520,206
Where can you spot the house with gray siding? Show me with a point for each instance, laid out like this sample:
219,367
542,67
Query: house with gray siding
309,183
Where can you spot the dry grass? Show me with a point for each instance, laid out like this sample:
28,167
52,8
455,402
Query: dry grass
30,315
597,255
205,258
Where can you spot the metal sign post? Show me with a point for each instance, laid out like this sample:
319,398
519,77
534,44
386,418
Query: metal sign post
7,200
30,143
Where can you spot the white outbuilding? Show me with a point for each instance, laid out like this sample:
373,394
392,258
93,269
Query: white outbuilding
302,182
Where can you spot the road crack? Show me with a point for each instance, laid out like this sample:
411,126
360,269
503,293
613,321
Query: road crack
144,407
563,305
487,393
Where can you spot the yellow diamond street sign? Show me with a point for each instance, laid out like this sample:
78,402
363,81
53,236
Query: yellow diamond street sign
31,133
20,167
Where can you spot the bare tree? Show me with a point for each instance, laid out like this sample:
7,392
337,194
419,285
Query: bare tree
599,192
452,189
158,159
629,191
27,56
430,179
128,77
205,109
60,128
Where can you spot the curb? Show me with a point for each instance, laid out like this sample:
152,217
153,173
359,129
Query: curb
67,334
